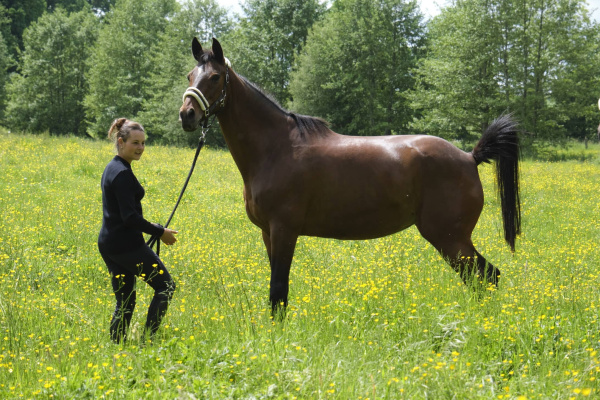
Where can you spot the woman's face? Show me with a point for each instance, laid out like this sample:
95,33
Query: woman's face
133,148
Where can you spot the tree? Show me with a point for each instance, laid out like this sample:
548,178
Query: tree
356,66
20,14
171,60
48,93
101,6
576,92
491,56
67,5
264,43
121,62
98,6
3,75
457,90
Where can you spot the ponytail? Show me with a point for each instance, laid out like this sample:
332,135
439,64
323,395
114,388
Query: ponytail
115,128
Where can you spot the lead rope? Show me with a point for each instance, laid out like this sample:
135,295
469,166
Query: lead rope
155,238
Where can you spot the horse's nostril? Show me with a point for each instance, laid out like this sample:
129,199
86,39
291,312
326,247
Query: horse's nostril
186,115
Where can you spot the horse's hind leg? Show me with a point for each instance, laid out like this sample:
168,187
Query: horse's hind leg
467,262
471,266
447,223
487,270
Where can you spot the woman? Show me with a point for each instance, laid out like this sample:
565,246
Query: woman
121,242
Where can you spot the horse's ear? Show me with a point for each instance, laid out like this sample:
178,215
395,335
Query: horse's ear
197,49
218,51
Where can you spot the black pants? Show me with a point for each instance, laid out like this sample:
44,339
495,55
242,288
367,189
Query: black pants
124,269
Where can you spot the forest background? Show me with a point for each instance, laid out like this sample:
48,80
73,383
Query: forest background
369,67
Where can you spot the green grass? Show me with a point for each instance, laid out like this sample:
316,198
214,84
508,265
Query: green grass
385,318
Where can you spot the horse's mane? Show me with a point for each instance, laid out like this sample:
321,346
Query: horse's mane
307,125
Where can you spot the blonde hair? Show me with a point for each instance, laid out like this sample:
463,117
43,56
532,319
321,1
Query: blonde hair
121,128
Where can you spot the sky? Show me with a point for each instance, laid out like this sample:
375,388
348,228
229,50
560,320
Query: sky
430,8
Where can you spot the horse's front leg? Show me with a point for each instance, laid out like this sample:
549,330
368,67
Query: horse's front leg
281,251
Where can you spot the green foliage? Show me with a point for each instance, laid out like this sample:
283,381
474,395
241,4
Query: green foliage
488,57
357,65
365,66
4,61
456,88
171,59
102,6
99,6
68,5
4,19
121,61
20,14
47,94
576,92
264,43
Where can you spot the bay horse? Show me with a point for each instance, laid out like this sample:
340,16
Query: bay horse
301,178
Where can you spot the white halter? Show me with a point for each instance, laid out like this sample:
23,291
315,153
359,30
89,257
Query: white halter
197,94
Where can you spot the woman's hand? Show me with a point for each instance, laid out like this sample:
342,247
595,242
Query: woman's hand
168,237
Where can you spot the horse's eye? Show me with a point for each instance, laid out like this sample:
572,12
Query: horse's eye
215,78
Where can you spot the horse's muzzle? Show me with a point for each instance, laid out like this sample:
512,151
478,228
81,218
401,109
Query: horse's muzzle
189,119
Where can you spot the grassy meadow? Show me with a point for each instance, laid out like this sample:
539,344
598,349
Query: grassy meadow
385,318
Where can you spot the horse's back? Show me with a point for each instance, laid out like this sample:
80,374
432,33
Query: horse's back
414,156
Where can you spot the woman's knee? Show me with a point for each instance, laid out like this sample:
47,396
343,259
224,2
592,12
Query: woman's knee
164,288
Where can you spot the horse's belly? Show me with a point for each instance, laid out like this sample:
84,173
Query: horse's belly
356,232
362,200
357,223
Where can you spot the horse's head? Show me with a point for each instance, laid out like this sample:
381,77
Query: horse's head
207,89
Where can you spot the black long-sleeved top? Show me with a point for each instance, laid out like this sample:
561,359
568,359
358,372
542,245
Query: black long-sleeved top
123,221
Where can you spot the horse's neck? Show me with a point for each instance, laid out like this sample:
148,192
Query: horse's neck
253,129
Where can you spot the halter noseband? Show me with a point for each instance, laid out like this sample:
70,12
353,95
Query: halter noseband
209,109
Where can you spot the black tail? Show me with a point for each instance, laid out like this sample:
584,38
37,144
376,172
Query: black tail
500,142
